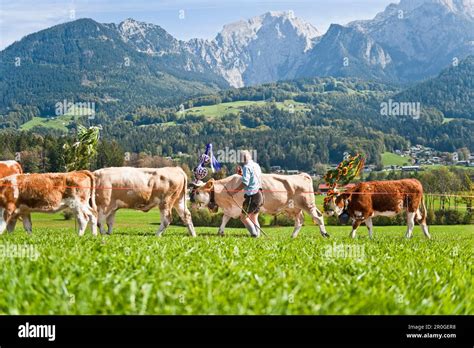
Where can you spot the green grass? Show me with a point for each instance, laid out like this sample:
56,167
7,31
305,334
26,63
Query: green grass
222,109
392,159
134,272
58,122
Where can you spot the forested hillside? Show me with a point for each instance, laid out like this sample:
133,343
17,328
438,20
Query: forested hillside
293,124
88,61
452,92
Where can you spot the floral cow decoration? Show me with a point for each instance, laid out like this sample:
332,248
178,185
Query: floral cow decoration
344,173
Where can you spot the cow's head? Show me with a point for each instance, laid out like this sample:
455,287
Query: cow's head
202,195
336,203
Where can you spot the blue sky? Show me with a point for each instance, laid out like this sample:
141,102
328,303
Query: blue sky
202,18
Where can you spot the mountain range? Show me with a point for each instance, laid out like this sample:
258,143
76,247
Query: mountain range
409,41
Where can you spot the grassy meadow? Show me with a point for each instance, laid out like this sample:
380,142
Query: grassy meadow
54,271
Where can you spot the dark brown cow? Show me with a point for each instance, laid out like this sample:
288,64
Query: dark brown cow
21,194
381,198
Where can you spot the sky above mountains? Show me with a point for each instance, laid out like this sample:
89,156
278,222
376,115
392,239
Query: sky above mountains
183,19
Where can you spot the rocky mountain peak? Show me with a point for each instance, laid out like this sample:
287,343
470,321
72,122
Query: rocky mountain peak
455,6
244,31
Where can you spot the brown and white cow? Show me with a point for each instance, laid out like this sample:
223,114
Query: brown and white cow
8,168
142,189
22,194
291,194
381,198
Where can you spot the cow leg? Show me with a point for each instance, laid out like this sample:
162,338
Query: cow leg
299,219
185,216
370,226
423,225
355,226
93,221
27,224
110,221
101,222
85,214
225,220
91,217
106,217
410,223
250,226
3,221
165,217
11,224
424,228
81,218
318,219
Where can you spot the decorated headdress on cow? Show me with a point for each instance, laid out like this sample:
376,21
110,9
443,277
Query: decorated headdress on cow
344,173
206,159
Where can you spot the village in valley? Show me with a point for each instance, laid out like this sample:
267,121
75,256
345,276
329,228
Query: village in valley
418,157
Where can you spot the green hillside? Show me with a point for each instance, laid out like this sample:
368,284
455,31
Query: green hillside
57,122
237,106
452,92
392,159
88,61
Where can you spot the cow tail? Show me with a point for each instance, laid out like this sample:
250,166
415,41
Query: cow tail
185,188
20,168
424,212
92,188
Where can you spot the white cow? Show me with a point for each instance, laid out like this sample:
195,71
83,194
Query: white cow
291,194
142,189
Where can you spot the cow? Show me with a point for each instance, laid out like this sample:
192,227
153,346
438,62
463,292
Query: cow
8,168
142,189
22,194
380,198
290,194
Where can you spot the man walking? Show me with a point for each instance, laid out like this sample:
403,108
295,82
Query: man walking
252,185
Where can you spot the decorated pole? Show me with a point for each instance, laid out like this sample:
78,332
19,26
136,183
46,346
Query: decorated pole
207,158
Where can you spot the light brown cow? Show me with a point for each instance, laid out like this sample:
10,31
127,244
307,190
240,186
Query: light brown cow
381,198
21,194
142,189
9,168
290,194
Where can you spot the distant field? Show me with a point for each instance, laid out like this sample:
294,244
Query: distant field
235,107
392,159
134,272
56,122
